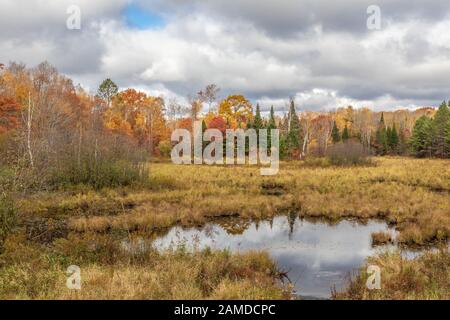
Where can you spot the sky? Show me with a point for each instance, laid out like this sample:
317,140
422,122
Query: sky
320,52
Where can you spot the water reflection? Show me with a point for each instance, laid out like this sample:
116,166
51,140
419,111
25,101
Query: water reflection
316,255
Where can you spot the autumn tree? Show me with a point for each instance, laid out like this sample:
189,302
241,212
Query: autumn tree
195,107
209,95
9,114
237,111
322,125
137,115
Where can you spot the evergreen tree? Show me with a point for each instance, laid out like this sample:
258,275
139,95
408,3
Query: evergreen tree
393,139
402,143
447,138
345,134
204,127
335,134
284,126
271,125
107,90
381,137
388,138
421,137
439,130
293,137
258,121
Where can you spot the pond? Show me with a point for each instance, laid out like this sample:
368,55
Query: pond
316,255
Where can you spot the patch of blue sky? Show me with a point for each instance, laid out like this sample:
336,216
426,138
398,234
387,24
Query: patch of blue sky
139,18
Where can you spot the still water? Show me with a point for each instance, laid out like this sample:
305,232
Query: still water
316,255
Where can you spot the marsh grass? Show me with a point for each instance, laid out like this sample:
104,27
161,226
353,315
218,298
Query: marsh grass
425,277
110,272
397,190
84,225
382,238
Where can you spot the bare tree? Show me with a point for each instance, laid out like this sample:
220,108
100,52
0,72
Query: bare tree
173,111
209,95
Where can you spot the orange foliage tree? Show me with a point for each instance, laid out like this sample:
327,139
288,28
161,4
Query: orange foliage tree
137,115
9,114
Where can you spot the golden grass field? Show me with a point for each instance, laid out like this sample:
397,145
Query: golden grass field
84,227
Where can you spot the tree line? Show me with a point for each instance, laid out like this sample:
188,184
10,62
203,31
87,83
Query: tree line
57,133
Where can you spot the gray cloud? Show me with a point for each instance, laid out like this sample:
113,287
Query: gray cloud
318,51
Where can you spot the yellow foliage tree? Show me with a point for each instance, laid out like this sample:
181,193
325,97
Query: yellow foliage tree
237,110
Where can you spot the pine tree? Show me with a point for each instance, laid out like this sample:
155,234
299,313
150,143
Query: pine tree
107,90
204,127
389,139
439,130
271,125
402,143
335,134
421,137
345,134
284,126
447,138
293,137
393,139
258,121
381,138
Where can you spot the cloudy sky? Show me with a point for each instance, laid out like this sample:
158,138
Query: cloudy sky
317,51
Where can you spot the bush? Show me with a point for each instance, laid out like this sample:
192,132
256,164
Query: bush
317,162
349,153
165,147
8,217
110,162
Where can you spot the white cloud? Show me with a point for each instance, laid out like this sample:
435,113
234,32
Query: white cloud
265,50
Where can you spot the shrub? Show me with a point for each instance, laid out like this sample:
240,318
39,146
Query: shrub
349,153
165,147
110,162
8,217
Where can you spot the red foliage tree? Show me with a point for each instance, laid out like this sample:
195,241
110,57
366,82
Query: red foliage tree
218,123
9,114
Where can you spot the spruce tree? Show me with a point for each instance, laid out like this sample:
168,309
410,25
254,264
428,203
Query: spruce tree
439,130
204,128
293,137
394,139
402,141
258,121
345,134
447,138
335,134
381,137
271,125
421,137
